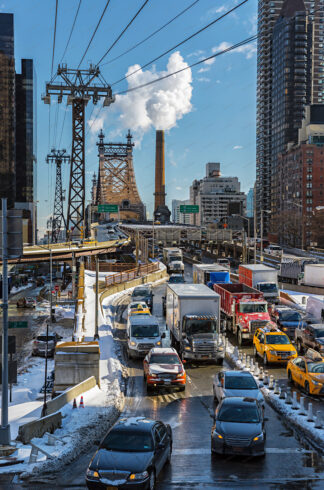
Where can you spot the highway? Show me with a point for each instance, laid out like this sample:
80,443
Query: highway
289,461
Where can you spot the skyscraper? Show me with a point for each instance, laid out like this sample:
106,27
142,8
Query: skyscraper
270,89
7,109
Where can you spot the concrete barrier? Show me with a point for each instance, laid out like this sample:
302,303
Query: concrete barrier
68,395
37,428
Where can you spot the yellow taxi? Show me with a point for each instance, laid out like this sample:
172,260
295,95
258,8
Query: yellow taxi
273,345
308,372
140,310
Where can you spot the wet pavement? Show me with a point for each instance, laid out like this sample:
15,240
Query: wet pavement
289,462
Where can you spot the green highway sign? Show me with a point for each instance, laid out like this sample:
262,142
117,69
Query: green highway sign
107,208
189,208
19,324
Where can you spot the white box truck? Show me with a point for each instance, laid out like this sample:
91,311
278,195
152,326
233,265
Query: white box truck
313,275
192,316
172,254
261,277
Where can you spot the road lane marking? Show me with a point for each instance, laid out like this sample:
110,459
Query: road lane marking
268,450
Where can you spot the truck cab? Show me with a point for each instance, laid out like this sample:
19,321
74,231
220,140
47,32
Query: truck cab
270,291
200,338
143,333
250,315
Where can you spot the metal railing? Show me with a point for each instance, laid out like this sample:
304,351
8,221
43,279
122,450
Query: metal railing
139,271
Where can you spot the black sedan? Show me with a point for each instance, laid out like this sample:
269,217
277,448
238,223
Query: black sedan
131,455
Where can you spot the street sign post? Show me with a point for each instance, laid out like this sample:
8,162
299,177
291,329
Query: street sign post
189,208
107,208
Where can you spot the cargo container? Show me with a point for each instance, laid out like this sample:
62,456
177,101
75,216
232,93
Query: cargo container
313,275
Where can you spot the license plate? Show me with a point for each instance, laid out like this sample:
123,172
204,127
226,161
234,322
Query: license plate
205,357
167,381
110,487
237,449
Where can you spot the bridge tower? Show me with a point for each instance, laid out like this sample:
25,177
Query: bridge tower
116,182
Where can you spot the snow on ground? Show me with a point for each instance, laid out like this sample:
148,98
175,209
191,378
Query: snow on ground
64,311
15,290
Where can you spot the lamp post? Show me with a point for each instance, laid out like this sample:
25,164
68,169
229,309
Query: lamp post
261,243
34,222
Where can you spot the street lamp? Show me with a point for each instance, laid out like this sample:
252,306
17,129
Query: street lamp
261,243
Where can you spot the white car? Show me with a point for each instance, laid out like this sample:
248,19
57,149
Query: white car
273,250
236,383
224,262
133,306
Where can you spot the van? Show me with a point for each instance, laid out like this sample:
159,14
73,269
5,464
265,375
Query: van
273,250
143,333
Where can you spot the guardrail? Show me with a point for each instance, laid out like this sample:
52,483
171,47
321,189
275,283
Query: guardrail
140,271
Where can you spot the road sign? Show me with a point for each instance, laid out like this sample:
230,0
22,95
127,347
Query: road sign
18,324
189,208
107,208
11,344
12,372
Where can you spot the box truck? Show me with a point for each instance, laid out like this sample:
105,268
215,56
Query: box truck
261,277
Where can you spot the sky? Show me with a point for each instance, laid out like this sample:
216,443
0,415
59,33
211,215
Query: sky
207,112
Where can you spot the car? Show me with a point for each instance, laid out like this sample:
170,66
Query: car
288,320
26,302
176,279
272,345
308,372
163,368
310,336
141,311
273,250
39,345
143,293
236,383
224,262
135,306
131,455
239,427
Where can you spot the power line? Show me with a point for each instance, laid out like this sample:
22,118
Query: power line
71,32
231,48
123,32
94,33
152,34
54,37
182,42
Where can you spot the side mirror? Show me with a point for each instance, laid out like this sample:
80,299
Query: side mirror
163,335
184,335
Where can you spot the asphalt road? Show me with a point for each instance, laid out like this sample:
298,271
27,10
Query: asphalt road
289,463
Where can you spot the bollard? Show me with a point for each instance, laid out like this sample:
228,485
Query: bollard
295,405
256,370
252,365
261,374
241,356
282,395
271,382
226,344
288,397
236,353
276,390
310,416
318,421
302,410
248,362
50,440
266,378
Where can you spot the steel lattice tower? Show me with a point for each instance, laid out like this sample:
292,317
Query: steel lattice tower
58,157
79,87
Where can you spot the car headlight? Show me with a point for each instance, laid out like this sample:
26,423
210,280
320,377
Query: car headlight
187,347
133,343
273,352
219,436
285,329
220,347
158,343
180,375
316,383
153,375
258,438
92,473
138,476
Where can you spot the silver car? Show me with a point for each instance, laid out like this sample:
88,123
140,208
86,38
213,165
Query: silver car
236,383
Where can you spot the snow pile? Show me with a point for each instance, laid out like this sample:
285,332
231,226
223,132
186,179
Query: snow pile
62,312
15,290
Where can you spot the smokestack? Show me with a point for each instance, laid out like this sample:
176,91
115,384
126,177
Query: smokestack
161,212
159,171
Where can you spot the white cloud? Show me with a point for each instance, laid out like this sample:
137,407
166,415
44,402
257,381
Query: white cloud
178,188
158,105
237,147
249,50
216,10
196,53
211,61
203,70
203,79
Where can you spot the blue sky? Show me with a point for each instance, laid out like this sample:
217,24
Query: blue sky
211,116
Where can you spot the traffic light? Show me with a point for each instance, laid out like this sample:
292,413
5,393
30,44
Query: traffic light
14,233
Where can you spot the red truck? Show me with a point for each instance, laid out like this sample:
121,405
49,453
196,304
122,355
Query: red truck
244,309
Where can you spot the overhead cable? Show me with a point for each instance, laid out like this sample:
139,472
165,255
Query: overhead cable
123,32
94,32
71,32
54,36
182,42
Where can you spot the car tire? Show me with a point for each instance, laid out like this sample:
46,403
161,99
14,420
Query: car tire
219,362
290,380
265,359
255,352
182,388
239,338
152,480
307,388
168,460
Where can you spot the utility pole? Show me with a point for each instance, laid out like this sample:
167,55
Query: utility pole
73,275
96,335
79,86
58,157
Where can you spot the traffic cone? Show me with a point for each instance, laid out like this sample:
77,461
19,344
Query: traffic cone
81,402
74,404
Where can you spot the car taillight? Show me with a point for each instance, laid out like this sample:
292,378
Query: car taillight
35,341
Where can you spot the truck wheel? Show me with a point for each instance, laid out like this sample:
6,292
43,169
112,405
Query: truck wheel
300,347
219,362
239,337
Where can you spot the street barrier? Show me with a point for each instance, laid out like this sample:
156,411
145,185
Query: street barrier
37,428
68,395
129,275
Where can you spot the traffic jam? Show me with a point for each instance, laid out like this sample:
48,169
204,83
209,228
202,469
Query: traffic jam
198,317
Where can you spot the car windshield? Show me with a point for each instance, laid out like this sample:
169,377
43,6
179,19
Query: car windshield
290,316
141,292
176,279
315,367
319,333
195,326
253,307
164,359
172,258
277,339
42,338
240,383
136,306
128,441
268,287
239,414
142,331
